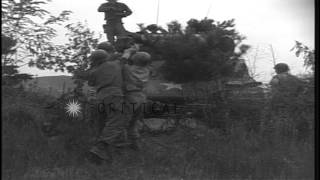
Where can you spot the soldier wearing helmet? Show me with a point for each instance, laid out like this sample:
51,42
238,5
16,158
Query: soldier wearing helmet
281,68
114,12
285,96
98,57
106,46
135,78
283,83
141,59
137,74
107,79
110,49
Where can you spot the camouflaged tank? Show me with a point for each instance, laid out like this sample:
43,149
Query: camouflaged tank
215,102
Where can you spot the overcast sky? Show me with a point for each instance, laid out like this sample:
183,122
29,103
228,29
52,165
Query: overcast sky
264,22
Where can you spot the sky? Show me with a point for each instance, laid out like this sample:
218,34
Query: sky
269,25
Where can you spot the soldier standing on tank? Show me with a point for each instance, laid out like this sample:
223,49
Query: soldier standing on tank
114,12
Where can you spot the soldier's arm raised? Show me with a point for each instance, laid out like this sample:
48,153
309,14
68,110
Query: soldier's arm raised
128,52
124,58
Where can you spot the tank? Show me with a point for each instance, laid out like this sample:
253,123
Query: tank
223,96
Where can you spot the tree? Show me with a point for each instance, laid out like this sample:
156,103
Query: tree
32,27
10,74
73,57
252,58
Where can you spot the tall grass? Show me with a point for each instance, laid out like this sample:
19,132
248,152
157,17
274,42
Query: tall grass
242,151
24,143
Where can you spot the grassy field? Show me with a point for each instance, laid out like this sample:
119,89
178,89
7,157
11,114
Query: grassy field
200,153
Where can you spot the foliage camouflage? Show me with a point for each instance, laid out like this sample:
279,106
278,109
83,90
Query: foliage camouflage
202,51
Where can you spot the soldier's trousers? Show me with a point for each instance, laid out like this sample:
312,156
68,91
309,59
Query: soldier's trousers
115,123
288,121
136,101
113,29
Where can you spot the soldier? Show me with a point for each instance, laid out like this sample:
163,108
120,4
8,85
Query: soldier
285,91
106,46
284,85
135,77
110,49
114,12
106,77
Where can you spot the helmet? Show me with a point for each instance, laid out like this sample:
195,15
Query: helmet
141,58
98,56
281,67
108,47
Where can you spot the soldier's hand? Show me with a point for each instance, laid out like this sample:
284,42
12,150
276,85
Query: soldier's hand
129,51
134,48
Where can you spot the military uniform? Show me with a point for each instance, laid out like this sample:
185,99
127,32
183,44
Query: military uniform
135,78
106,46
114,12
106,78
285,89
